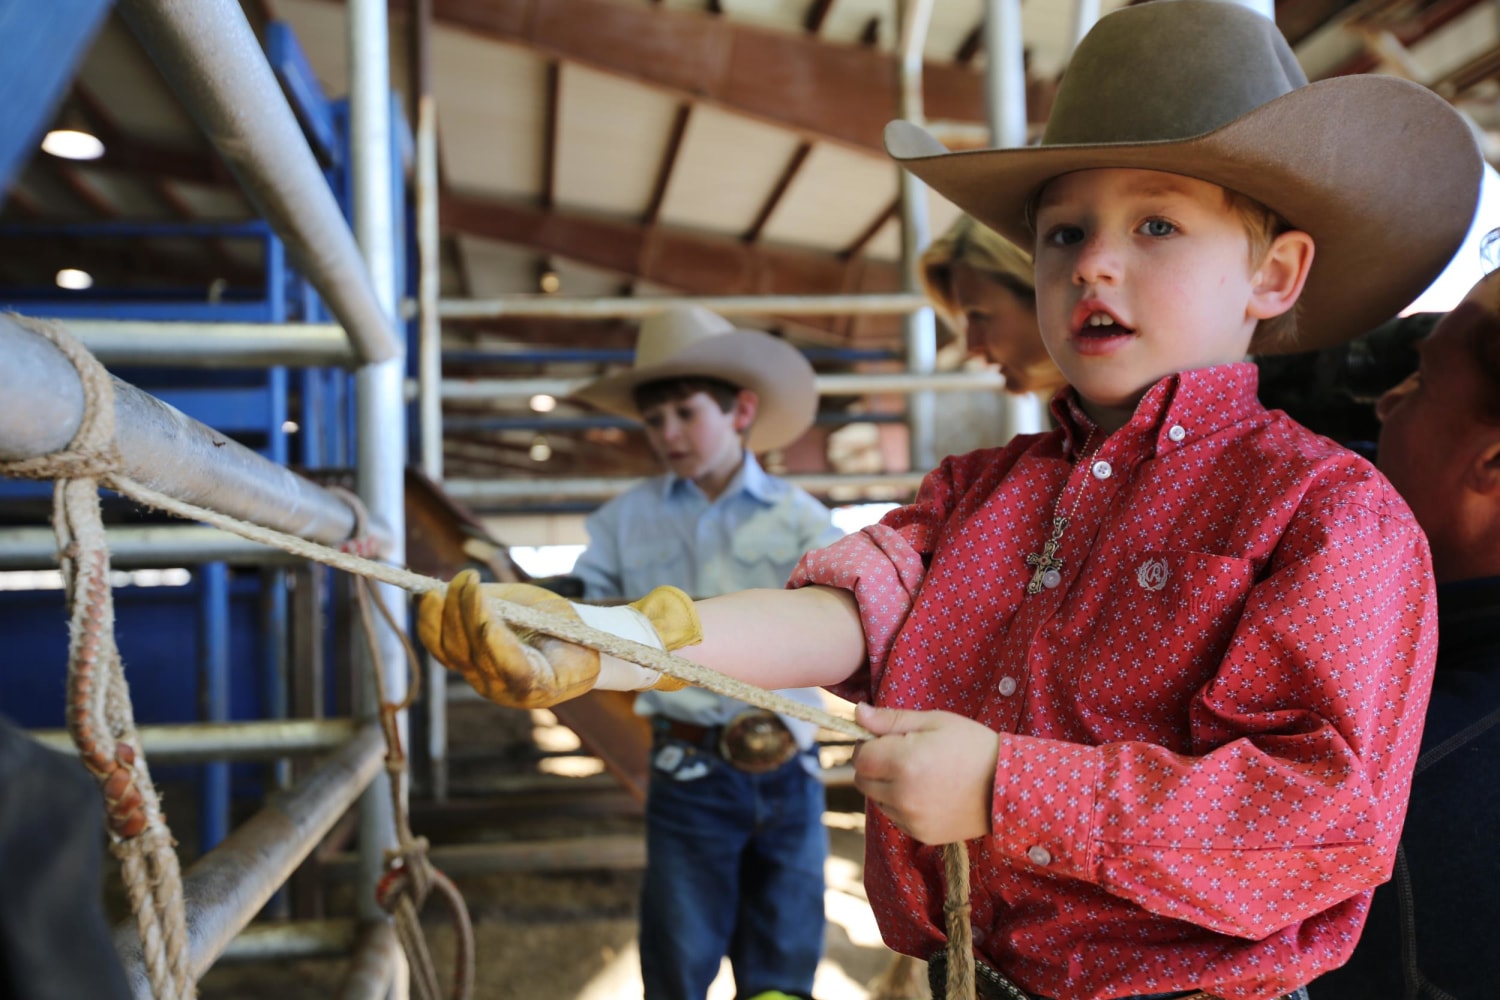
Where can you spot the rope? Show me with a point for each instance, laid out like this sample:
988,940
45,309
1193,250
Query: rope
99,713
410,875
956,859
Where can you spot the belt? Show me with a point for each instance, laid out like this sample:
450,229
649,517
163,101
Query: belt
754,741
990,984
706,737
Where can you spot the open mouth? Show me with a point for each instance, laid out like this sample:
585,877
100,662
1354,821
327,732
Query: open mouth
1099,325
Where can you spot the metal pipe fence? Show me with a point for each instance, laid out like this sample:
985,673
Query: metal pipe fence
159,446
210,56
228,886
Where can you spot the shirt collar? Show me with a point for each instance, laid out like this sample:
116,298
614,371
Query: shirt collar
749,479
1180,408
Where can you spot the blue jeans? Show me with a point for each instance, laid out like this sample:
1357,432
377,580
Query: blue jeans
734,866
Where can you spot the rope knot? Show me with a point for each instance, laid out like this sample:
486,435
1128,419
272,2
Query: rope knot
92,453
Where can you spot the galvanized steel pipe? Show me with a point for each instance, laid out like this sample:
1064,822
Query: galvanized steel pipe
373,965
227,887
828,385
920,325
380,437
284,939
160,447
482,491
214,345
200,741
142,547
214,63
554,307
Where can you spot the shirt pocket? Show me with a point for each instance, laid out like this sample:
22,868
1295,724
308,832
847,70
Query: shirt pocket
765,553
1166,621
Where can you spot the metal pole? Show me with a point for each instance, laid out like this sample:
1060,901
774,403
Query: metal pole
920,325
542,306
489,491
374,964
381,410
190,742
1005,109
225,888
214,63
159,446
214,345
153,547
283,939
1085,13
430,355
497,389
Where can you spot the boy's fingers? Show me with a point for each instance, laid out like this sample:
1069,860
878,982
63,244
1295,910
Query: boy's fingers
886,721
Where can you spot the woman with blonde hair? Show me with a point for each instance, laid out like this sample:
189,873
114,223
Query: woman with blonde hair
982,285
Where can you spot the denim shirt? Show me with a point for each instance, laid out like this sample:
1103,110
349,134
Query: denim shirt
667,531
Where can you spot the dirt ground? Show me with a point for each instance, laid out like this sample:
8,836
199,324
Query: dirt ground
571,935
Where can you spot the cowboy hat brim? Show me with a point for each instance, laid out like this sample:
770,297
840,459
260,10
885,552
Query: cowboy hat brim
1379,171
774,370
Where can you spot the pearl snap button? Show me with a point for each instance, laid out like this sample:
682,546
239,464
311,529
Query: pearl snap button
1176,432
1039,855
1007,686
1051,579
1103,470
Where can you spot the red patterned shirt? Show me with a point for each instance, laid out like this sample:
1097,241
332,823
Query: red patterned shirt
1211,715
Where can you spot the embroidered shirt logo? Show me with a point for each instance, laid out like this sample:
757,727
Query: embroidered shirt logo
1152,574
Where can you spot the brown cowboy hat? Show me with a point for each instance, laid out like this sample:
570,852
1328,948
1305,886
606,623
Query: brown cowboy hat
1381,172
690,341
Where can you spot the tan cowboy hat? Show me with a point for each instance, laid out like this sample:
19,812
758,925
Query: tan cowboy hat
1382,172
689,341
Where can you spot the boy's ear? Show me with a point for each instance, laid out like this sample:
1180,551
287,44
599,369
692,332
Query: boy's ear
745,404
1278,281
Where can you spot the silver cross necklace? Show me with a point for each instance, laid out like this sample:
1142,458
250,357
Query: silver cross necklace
1046,564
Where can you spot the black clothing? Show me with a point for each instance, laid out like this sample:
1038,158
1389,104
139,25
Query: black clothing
1439,940
54,941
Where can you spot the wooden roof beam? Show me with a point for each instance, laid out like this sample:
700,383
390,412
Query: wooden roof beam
690,261
778,191
843,93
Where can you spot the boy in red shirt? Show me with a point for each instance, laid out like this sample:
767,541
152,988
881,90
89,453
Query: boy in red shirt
1166,665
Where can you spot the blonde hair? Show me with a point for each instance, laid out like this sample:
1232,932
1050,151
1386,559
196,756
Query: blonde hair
1262,226
986,251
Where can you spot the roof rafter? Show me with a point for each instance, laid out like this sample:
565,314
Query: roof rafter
824,90
688,260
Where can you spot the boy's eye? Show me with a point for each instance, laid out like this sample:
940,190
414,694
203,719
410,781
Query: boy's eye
1064,236
1157,227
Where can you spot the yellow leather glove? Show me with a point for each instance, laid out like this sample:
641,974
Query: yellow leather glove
526,669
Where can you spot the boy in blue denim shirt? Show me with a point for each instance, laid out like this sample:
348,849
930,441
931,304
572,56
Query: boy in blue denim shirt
735,840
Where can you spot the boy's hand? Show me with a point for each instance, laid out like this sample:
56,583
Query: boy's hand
531,670
522,671
931,773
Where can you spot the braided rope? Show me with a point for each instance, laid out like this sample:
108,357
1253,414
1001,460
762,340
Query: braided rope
956,858
99,713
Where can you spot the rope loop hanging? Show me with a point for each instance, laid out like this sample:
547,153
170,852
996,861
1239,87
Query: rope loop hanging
99,714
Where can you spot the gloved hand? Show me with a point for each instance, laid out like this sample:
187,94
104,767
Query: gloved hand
526,669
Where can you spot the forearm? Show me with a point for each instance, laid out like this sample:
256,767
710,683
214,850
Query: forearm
811,637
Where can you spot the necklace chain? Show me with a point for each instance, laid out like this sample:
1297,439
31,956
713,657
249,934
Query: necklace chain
1046,563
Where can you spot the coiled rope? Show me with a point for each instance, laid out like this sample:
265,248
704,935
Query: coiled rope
99,713
960,985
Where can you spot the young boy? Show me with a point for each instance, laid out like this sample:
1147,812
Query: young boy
734,813
1166,665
